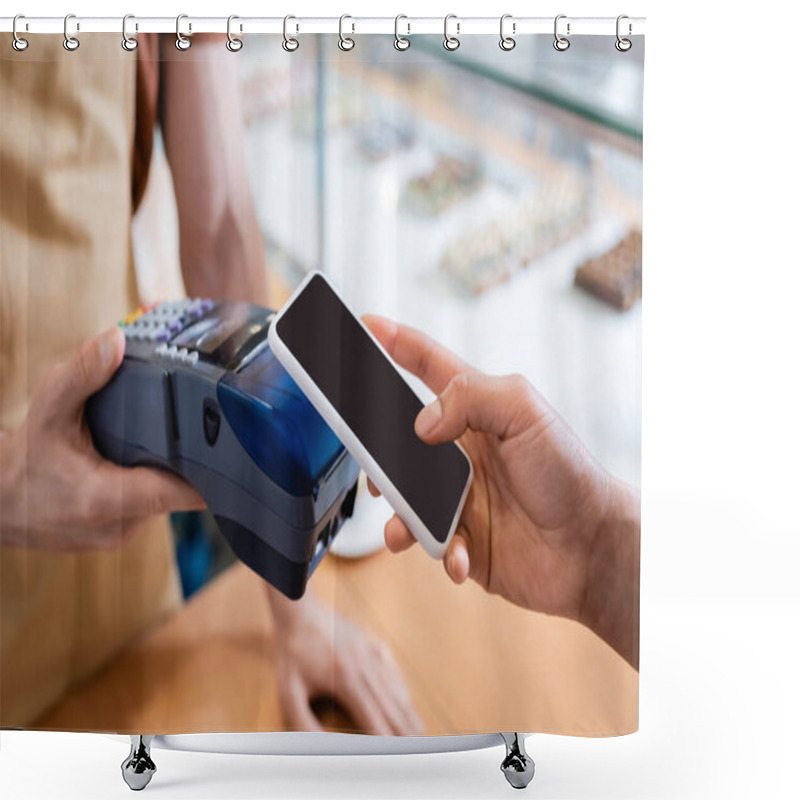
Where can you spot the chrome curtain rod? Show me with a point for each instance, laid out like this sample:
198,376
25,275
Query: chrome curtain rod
407,26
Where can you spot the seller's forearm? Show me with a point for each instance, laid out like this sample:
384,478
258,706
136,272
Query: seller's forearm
227,260
221,247
611,600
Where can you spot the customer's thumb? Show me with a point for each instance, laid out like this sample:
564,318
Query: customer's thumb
499,405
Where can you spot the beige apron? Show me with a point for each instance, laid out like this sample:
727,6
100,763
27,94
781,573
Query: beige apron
66,272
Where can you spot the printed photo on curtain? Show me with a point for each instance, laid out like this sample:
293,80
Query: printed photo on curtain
320,382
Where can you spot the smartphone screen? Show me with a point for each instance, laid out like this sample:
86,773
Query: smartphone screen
375,402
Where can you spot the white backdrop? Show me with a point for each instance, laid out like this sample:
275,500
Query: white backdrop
720,694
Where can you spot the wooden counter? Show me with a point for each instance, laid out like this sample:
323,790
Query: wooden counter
473,662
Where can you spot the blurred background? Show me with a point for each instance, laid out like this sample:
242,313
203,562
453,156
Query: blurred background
491,198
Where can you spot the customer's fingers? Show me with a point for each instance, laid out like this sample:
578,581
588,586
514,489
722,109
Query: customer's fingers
397,536
456,559
373,489
430,361
500,405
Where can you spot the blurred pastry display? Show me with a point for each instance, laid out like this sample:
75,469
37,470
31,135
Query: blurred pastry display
489,181
451,180
378,139
485,256
342,113
264,93
270,91
616,275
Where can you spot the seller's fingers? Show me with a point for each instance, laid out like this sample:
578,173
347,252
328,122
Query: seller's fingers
373,489
387,685
131,492
430,361
366,712
296,709
87,370
397,536
500,405
456,559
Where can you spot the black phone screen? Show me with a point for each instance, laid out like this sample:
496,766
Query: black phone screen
375,402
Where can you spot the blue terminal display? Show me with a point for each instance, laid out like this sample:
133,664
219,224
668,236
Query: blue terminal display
277,426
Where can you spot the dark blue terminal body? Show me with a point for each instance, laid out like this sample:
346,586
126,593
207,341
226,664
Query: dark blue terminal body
200,393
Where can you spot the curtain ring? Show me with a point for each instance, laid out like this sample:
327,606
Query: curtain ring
290,43
233,44
129,43
623,45
401,42
561,43
70,43
18,43
507,42
346,42
451,42
181,41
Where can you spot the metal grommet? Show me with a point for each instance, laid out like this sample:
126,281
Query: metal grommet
70,43
18,43
623,45
129,43
181,41
233,44
401,42
451,42
561,43
346,43
507,42
290,44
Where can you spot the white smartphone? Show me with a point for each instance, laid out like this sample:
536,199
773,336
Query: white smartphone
354,385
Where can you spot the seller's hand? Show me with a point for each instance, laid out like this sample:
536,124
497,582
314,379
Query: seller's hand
322,654
56,491
544,525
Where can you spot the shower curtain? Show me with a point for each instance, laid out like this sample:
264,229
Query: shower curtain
488,198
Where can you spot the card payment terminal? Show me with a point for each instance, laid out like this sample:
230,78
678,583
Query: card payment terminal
200,393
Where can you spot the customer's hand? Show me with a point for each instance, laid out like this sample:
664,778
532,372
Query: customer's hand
544,525
56,491
320,653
